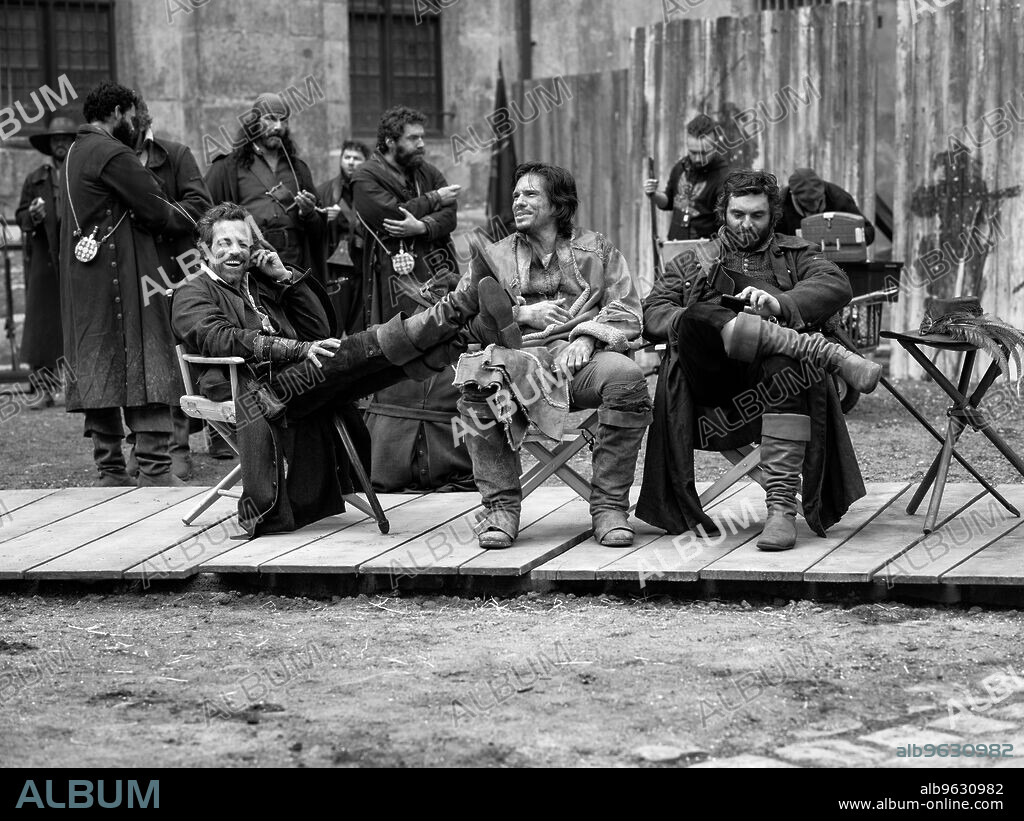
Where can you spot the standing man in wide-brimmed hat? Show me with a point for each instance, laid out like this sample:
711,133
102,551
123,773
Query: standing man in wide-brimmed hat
38,215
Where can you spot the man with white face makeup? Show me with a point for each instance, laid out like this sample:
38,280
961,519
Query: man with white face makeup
248,303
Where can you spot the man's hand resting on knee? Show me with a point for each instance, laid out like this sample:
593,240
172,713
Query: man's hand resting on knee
576,354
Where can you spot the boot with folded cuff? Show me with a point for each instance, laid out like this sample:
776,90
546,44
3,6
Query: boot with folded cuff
784,438
753,338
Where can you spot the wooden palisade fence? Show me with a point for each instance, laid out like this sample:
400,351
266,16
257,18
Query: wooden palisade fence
960,159
789,89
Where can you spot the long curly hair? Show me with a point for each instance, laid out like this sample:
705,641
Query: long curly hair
560,186
249,133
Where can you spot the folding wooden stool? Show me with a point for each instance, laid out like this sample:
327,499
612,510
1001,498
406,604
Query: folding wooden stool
221,417
965,411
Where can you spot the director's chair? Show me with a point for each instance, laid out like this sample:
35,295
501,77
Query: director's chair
221,417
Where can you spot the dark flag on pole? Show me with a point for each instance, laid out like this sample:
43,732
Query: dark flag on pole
500,222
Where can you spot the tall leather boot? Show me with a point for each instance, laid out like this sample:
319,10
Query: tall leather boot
753,337
404,340
153,455
109,460
496,469
497,324
784,438
181,450
619,434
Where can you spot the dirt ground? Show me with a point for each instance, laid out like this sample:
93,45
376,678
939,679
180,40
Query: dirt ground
205,677
201,675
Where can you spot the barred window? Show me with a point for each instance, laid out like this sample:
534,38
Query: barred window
785,5
395,48
40,40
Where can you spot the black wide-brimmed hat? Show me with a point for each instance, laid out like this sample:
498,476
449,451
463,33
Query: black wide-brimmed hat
59,127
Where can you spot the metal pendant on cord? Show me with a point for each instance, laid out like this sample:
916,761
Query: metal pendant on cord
403,261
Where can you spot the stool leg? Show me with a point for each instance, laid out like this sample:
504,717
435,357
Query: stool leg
940,479
940,466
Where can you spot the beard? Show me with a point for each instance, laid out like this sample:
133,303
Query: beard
124,132
408,159
745,238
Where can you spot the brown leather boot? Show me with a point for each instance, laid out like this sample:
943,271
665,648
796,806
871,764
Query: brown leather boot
753,337
619,434
784,438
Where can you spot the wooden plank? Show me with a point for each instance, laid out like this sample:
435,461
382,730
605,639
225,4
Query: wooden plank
110,556
59,537
54,507
442,550
747,562
182,560
978,526
886,537
360,543
681,558
249,556
11,500
561,529
1000,563
581,562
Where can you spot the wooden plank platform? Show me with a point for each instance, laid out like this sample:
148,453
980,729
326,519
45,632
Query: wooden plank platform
682,558
109,556
47,542
937,553
92,534
364,542
582,562
1000,563
886,537
250,556
11,500
748,563
443,550
51,508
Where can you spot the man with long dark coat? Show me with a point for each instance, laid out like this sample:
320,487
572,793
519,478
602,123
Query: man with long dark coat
38,215
345,240
408,205
117,339
757,364
266,177
182,183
